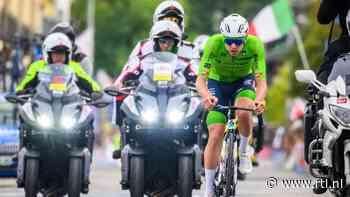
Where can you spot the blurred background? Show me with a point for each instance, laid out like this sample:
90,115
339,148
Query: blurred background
109,29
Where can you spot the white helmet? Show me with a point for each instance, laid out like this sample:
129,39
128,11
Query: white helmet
56,42
170,8
199,42
234,25
166,26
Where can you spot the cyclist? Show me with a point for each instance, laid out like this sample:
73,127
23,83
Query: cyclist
231,65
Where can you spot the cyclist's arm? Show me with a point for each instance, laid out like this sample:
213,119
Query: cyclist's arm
201,85
261,90
203,72
261,85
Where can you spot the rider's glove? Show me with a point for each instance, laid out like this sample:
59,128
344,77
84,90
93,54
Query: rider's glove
96,95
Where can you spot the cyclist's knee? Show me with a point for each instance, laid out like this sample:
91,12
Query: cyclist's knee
216,133
243,114
247,103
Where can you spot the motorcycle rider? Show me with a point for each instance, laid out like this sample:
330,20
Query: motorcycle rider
231,65
170,10
57,49
77,54
327,12
165,36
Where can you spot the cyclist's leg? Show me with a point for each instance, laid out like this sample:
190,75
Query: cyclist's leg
216,124
245,127
244,97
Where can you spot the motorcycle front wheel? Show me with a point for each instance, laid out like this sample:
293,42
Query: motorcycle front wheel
75,177
31,177
137,176
185,176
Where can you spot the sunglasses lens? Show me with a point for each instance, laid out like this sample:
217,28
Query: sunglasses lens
230,41
166,40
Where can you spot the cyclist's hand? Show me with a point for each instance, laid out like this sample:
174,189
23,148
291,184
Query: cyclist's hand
210,101
260,106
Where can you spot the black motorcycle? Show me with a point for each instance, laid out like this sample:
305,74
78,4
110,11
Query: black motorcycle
160,131
56,132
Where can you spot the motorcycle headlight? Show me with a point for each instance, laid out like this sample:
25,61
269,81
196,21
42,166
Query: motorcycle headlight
149,116
175,116
44,121
340,113
68,122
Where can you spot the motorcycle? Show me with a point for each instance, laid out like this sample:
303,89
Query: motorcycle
329,152
56,134
160,131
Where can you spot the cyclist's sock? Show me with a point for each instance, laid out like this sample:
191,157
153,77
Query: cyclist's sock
243,146
209,180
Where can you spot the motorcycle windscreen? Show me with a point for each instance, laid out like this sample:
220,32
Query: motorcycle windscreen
341,67
56,80
161,70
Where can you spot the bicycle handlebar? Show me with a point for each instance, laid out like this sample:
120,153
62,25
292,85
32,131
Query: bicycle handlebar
233,108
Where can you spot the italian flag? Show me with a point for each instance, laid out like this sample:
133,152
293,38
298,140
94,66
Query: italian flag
273,21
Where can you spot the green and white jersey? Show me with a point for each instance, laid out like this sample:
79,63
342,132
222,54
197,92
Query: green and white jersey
219,65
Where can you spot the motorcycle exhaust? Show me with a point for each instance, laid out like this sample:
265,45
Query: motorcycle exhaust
315,158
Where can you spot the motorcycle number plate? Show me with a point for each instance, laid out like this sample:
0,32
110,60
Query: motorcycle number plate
162,72
5,160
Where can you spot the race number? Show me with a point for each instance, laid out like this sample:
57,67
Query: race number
162,72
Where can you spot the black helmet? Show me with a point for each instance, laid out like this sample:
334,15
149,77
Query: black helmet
65,28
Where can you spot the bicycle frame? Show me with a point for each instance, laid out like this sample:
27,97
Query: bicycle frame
226,175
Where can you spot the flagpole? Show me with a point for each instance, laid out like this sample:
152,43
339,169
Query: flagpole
301,48
91,27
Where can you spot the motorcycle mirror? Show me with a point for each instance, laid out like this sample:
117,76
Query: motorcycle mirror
13,98
341,87
305,76
100,103
111,91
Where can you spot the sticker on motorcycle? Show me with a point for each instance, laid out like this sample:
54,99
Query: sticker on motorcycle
162,72
342,100
58,84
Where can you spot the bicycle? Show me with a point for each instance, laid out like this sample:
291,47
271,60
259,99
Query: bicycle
226,174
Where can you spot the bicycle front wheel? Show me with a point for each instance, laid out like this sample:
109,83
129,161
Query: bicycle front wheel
231,166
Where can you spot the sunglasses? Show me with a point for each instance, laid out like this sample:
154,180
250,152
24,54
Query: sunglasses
166,40
236,41
171,18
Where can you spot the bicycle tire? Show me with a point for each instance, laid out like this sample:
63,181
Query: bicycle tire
231,166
